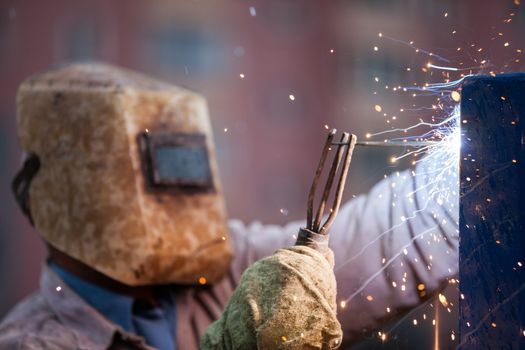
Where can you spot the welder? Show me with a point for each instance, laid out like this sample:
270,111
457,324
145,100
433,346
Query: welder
121,181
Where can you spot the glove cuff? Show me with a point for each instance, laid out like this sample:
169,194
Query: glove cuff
315,241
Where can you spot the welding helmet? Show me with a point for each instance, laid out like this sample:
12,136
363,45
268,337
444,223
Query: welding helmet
126,180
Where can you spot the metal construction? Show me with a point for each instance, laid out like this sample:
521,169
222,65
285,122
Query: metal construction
492,213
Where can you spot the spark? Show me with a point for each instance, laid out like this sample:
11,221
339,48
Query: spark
480,181
455,96
441,146
387,264
372,242
466,336
417,49
436,329
253,12
443,300
452,119
291,97
454,69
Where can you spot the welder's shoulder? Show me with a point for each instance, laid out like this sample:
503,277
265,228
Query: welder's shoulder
33,325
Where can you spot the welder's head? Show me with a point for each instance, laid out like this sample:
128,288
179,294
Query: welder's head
121,174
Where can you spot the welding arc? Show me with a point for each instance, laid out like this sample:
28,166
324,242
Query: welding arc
343,156
396,143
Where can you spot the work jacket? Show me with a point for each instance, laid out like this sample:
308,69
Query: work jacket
394,248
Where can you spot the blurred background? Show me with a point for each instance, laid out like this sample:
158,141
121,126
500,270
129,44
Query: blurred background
276,74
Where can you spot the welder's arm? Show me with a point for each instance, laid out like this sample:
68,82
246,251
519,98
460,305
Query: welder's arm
391,251
288,299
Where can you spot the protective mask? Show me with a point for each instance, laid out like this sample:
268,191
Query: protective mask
128,182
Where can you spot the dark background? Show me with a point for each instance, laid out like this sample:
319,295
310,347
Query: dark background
322,52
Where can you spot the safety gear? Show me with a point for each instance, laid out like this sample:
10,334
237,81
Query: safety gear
128,182
284,301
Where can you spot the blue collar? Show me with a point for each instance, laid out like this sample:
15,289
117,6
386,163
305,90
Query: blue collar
156,325
115,307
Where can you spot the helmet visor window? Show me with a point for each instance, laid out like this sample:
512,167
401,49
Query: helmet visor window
176,161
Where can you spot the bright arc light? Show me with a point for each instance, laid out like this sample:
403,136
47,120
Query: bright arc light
434,147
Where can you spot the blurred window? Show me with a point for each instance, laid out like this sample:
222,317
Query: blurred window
7,32
78,40
182,50
287,16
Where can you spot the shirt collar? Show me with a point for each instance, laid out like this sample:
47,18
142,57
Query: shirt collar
92,328
115,307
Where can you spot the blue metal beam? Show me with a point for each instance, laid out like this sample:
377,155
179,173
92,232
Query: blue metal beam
492,213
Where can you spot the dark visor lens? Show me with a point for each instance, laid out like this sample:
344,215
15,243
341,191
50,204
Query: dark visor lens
182,164
176,161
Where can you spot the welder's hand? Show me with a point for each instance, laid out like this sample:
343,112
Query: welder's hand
285,301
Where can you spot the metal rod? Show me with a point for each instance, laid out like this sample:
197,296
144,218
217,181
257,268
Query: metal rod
311,195
340,185
329,181
397,143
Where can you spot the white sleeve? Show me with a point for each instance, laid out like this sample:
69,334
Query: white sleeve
394,247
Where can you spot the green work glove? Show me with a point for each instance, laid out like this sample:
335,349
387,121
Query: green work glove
284,301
